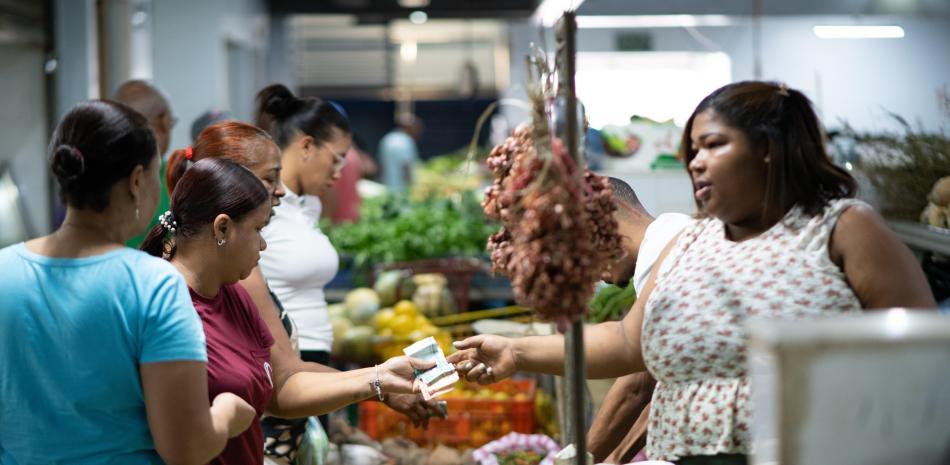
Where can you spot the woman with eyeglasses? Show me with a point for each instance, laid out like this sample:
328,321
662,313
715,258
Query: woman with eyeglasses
313,137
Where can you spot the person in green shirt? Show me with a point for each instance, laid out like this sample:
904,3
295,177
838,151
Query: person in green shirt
151,102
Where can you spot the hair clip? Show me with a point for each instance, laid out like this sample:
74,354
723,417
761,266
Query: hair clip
189,153
167,220
783,89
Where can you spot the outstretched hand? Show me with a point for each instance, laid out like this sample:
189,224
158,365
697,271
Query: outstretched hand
415,407
485,359
398,374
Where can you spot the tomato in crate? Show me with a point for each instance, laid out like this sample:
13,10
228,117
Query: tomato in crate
477,415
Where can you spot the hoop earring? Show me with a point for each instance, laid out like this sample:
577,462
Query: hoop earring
221,242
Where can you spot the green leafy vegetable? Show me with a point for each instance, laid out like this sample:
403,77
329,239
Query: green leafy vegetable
395,229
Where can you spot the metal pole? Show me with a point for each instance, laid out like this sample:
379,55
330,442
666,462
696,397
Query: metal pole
574,371
575,374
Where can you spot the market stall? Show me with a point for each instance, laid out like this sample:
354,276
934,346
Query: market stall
550,235
546,203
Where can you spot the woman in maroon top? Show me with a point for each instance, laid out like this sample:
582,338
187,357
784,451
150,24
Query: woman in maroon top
212,235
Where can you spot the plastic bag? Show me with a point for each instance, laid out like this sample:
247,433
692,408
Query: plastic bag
315,446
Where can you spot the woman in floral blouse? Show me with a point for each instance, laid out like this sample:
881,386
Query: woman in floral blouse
779,236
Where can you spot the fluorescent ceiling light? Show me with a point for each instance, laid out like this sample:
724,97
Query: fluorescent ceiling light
859,32
418,17
649,21
413,3
549,11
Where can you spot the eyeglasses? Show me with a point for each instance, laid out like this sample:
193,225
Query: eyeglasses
339,160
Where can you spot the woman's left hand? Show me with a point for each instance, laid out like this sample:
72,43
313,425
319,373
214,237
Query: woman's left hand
398,374
415,407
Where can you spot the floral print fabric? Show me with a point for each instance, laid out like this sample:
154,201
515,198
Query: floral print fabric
694,338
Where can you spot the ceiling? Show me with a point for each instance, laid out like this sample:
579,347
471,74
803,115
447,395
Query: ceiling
22,22
377,11
380,11
769,7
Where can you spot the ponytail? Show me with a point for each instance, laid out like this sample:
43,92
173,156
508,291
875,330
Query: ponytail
155,243
285,116
160,241
174,169
233,140
208,188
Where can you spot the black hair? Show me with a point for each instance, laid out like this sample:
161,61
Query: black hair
781,122
284,115
623,193
95,145
207,119
207,189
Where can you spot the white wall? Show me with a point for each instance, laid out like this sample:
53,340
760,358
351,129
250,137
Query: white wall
191,56
24,127
857,81
852,80
23,130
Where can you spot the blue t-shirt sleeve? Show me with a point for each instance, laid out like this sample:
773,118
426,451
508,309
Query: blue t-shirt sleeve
172,329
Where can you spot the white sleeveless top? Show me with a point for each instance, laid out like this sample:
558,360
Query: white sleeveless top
694,338
298,262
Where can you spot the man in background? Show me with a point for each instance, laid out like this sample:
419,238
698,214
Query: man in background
619,429
398,152
212,116
151,103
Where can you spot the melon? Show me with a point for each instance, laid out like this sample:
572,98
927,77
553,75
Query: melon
394,285
358,343
361,305
340,327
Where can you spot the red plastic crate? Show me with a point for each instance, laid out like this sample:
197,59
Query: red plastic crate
472,422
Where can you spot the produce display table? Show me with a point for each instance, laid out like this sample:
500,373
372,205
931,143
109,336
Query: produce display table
922,237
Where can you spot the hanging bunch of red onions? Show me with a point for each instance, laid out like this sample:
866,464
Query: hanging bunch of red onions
559,234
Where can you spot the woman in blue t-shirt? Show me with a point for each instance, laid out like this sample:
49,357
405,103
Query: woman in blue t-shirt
102,356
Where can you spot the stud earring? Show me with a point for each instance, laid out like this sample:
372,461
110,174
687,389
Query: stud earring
221,242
